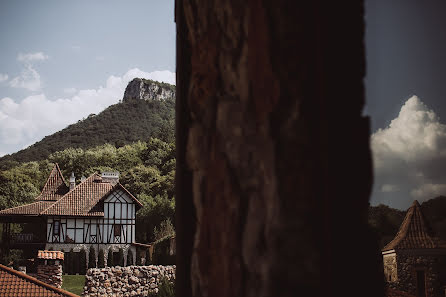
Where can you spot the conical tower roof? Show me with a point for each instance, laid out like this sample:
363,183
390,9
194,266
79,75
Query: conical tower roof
55,186
415,232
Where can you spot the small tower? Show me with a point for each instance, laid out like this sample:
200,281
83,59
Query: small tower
49,267
415,260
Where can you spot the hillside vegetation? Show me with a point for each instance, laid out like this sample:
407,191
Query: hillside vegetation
118,125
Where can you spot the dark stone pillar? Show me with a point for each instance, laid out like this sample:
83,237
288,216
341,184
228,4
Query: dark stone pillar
273,165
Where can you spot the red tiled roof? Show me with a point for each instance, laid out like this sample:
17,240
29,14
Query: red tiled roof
55,186
17,284
415,233
83,200
54,255
27,209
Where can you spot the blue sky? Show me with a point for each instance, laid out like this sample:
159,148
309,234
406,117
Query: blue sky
62,60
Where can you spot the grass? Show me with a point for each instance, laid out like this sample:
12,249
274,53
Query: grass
74,283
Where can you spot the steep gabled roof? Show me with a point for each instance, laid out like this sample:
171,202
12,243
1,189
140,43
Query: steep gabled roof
55,186
83,200
415,233
15,283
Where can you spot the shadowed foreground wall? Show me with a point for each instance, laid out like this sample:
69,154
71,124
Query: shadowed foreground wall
273,165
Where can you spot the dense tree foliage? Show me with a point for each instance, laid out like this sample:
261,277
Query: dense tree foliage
119,124
147,170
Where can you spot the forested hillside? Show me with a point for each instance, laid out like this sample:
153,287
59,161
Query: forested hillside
147,171
119,124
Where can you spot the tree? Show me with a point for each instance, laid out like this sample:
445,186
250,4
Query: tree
148,260
83,262
101,259
129,258
71,262
138,258
92,258
110,258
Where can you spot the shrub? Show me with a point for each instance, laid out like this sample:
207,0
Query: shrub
161,252
147,256
129,258
101,259
121,257
71,262
165,229
110,258
83,262
92,258
166,288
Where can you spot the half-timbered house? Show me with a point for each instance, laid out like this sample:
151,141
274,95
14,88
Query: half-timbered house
97,212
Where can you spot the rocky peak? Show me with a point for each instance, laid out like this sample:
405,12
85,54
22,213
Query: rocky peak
146,89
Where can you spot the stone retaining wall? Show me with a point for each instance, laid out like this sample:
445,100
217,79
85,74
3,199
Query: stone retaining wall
126,281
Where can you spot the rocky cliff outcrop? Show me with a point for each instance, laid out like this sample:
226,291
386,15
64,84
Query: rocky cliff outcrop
146,89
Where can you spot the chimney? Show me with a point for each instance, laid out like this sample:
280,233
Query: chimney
110,177
49,267
72,181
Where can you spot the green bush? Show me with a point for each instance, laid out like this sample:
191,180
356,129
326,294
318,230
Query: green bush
147,256
161,255
130,258
121,257
166,288
101,259
83,262
110,258
92,258
71,262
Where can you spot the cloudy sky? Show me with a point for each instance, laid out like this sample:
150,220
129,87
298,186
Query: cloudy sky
406,99
62,60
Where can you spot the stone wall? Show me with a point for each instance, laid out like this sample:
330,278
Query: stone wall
50,274
126,281
408,264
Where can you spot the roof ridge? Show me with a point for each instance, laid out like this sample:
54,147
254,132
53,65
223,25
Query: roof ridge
36,281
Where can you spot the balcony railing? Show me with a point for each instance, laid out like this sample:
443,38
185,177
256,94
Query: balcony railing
22,238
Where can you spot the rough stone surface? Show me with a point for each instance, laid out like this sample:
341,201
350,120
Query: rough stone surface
273,161
50,274
407,265
126,281
144,89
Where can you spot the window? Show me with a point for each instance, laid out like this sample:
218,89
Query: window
117,233
56,228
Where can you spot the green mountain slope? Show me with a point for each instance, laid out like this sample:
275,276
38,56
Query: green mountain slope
119,124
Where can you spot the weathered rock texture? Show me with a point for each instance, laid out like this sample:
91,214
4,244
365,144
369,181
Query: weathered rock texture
273,161
433,267
126,281
50,274
146,89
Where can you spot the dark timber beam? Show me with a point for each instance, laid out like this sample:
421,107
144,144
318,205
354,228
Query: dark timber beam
273,162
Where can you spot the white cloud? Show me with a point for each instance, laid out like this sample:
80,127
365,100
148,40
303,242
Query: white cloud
25,122
410,156
3,77
29,79
29,57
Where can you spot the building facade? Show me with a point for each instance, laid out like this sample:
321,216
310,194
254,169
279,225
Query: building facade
97,212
